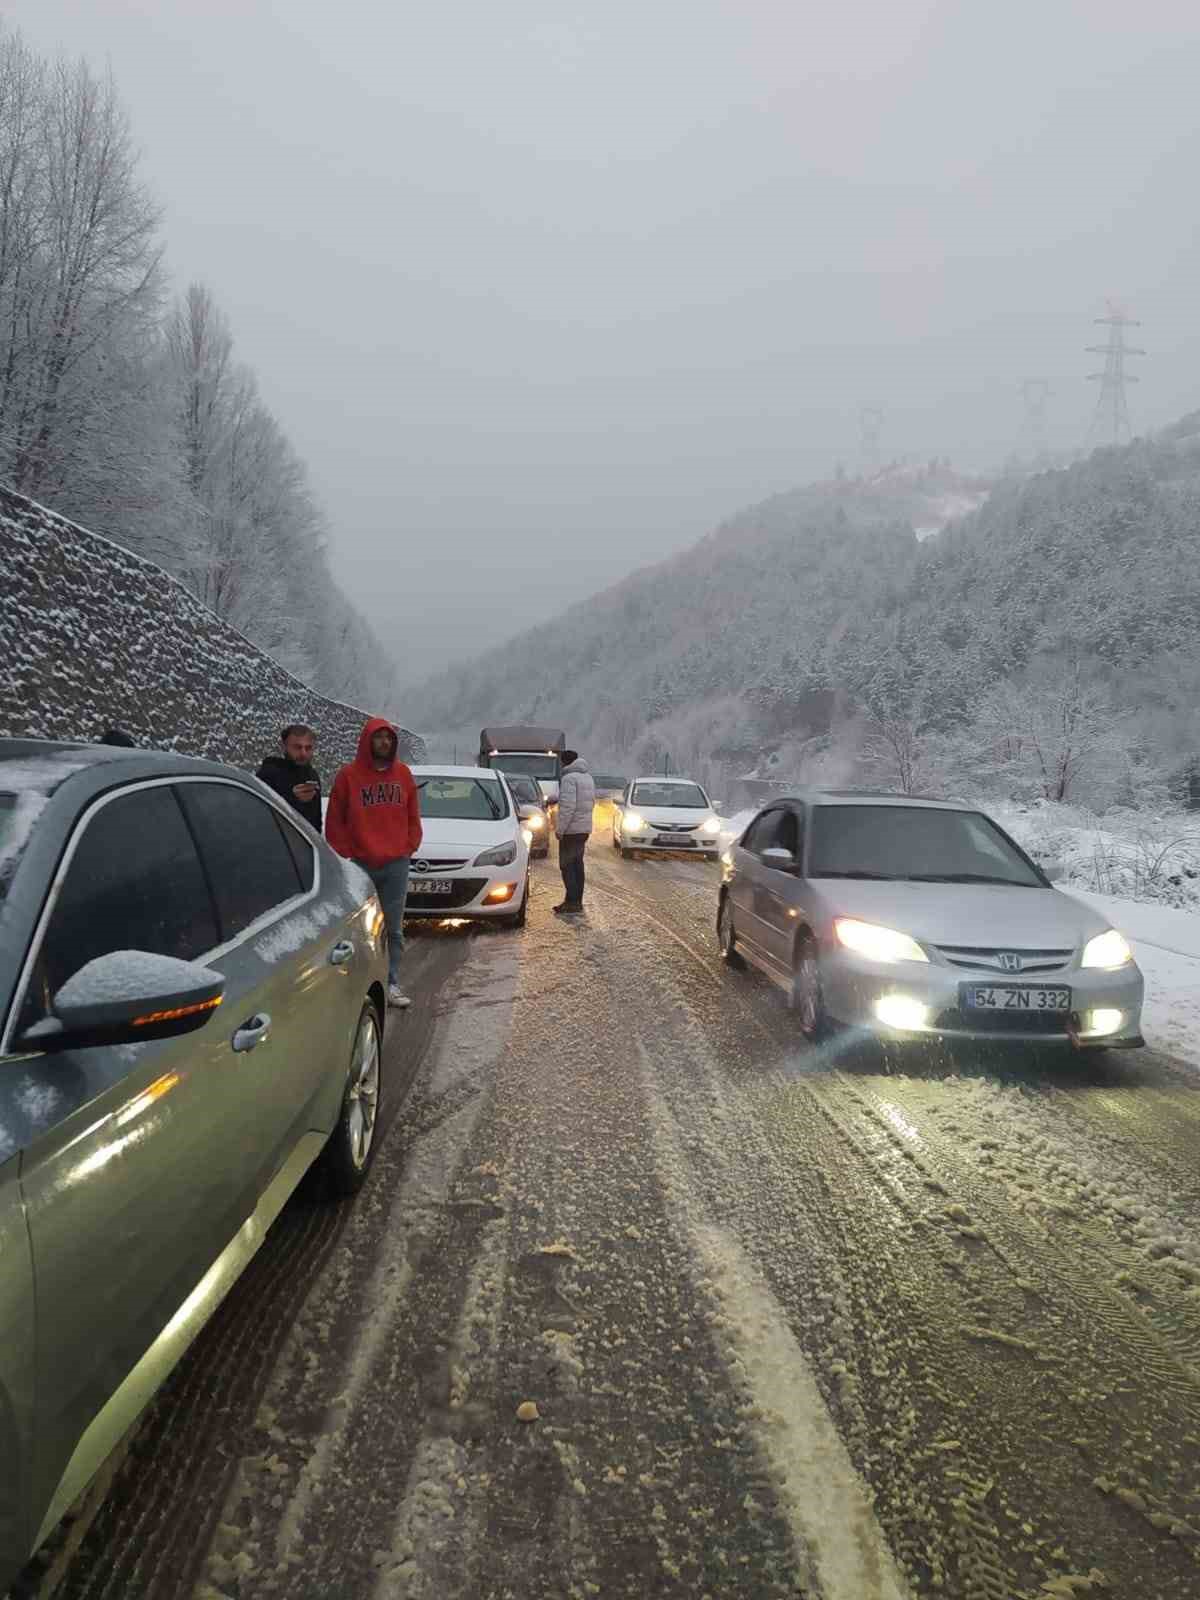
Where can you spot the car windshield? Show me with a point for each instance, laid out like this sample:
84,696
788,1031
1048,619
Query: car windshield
469,799
534,766
688,796
916,843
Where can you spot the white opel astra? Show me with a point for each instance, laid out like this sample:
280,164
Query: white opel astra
474,856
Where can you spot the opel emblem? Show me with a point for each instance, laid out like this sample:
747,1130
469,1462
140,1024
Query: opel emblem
1010,961
420,866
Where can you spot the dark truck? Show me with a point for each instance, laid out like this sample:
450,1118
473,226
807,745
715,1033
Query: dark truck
536,752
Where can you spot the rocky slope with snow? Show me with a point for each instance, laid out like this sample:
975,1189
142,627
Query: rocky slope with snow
92,635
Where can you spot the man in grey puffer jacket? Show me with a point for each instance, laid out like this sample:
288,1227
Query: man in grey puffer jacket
573,824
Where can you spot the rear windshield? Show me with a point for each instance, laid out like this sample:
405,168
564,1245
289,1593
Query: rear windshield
534,766
916,843
687,795
470,799
525,789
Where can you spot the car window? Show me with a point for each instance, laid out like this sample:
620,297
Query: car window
761,833
686,795
525,789
302,852
249,864
787,834
465,799
914,842
134,883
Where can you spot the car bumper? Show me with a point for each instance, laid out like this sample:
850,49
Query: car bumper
707,846
475,894
854,989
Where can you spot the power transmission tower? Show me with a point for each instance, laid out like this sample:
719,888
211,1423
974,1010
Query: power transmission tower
870,427
1035,392
1110,425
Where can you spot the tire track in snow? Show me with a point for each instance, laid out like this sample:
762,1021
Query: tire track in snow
837,1538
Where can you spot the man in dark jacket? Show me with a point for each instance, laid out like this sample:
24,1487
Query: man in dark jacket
292,774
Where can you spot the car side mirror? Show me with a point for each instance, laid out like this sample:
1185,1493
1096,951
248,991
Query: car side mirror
127,997
524,812
779,859
1054,870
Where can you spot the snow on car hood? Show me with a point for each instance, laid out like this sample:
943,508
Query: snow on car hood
983,914
451,835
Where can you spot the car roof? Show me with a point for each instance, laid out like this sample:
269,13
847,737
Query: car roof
428,771
870,797
45,765
674,778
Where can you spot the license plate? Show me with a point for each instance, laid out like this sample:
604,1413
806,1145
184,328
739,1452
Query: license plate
1005,997
432,885
675,842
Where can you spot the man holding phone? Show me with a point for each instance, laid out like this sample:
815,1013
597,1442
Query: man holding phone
292,774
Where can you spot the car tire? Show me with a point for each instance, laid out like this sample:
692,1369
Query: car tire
626,853
347,1155
519,918
807,994
727,936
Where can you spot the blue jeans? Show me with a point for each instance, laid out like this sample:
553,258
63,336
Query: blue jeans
391,885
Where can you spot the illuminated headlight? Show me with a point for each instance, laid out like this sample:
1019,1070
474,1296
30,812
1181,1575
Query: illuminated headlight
535,822
501,856
901,1011
632,823
526,835
711,826
1108,950
877,944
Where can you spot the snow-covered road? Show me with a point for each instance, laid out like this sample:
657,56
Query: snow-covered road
793,1324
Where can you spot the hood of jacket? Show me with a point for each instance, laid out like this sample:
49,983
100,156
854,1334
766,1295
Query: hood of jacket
372,726
579,765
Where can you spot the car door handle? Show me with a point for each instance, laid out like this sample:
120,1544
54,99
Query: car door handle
341,954
254,1031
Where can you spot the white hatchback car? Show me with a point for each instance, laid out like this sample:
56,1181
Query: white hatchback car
657,814
474,855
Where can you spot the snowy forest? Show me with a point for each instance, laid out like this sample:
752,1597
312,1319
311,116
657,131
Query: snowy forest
1042,646
122,403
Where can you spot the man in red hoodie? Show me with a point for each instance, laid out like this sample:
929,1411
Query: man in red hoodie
374,819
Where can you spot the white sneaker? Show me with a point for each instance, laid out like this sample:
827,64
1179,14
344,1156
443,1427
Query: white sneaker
397,997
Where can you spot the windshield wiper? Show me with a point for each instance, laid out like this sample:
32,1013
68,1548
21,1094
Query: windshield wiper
883,877
969,877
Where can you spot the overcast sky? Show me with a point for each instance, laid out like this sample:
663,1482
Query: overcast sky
542,289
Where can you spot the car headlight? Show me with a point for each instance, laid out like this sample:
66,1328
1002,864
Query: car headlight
535,822
633,822
1109,950
713,825
877,944
501,856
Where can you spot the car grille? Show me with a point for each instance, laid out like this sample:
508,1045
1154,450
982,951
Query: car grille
1001,1022
443,863
987,958
675,827
463,892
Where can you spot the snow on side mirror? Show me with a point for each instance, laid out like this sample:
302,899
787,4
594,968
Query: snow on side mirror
127,997
781,860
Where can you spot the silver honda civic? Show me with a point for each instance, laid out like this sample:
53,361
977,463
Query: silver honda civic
913,918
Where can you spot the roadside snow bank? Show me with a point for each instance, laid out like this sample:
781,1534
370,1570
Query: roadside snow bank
1166,945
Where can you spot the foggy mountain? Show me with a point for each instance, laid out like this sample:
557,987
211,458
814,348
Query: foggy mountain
798,614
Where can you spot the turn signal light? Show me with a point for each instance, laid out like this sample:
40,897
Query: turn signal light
502,891
177,1011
